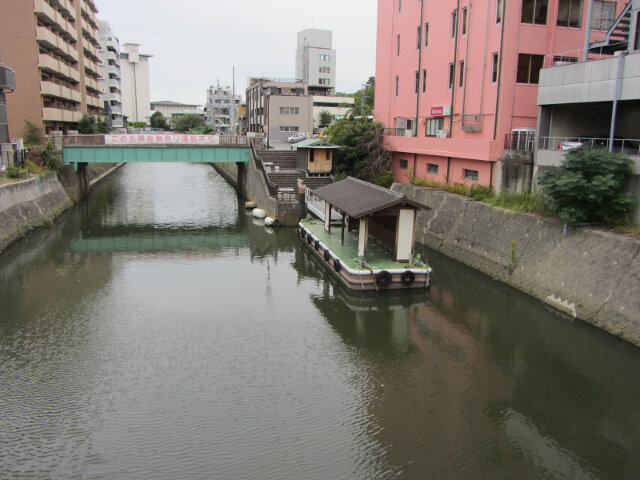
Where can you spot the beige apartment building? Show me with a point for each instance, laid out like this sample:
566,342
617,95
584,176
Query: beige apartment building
53,47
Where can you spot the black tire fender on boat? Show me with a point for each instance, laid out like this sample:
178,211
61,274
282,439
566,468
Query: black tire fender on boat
309,238
316,245
327,255
301,232
407,277
383,278
337,266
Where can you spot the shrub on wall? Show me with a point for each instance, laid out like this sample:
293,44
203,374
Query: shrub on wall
588,186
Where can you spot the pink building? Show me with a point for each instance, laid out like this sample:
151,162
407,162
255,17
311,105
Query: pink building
454,78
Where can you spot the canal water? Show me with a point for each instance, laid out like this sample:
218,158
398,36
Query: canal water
158,332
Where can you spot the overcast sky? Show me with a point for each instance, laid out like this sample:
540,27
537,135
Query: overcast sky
196,42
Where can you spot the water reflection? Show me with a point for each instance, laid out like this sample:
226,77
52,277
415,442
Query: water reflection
168,335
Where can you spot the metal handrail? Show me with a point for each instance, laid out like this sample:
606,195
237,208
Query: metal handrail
630,146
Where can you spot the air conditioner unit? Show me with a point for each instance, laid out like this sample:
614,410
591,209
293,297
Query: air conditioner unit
441,133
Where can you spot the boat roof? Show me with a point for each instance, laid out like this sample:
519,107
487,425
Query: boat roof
358,198
315,143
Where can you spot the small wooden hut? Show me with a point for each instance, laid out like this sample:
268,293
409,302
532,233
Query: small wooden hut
315,156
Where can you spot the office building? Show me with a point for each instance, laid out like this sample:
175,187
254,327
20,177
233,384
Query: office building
110,83
134,66
316,61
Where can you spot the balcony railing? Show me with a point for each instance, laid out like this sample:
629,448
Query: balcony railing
398,132
630,146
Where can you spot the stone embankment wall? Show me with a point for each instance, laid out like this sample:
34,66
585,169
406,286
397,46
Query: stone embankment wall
38,201
590,274
29,204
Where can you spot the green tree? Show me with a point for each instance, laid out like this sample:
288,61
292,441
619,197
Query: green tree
102,126
325,118
32,134
362,154
158,121
588,186
87,124
363,99
188,122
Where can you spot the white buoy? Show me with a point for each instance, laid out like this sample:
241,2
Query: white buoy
258,213
268,221
250,205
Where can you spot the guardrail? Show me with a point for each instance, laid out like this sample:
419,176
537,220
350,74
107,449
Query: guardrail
520,142
151,138
630,146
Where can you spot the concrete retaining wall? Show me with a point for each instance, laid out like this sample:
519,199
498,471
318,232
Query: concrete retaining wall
250,182
590,274
30,204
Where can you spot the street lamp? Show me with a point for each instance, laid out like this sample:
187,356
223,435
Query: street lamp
267,93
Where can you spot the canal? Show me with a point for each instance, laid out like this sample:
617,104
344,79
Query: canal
159,332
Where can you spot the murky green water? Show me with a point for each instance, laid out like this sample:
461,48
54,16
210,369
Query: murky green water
158,333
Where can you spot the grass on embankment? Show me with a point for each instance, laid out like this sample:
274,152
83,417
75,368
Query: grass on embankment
527,202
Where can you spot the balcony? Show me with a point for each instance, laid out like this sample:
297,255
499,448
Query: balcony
91,66
50,114
47,62
474,149
54,90
49,39
95,102
92,84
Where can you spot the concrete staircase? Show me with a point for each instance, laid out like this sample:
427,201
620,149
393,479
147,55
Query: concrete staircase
286,175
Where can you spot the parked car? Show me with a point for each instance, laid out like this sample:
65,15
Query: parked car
297,137
569,145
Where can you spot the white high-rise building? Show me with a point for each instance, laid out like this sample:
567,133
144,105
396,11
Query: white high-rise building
221,110
316,61
136,100
110,84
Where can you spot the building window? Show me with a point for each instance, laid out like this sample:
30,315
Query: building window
324,81
471,175
464,21
452,74
398,45
404,163
535,11
424,80
417,81
289,110
426,34
397,84
454,23
604,13
432,169
636,45
288,128
562,60
419,37
325,58
529,68
324,69
434,125
570,13
494,68
498,11
461,74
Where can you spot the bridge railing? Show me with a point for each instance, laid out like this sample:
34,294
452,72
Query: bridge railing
151,138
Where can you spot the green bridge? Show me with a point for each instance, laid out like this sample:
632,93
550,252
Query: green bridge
156,153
